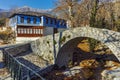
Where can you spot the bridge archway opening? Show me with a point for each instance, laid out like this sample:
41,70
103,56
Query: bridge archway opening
76,50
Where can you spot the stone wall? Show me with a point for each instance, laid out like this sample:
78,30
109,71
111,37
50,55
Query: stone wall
44,48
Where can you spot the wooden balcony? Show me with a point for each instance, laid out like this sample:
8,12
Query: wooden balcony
23,31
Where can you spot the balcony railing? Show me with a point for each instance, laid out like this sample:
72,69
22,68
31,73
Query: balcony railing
29,32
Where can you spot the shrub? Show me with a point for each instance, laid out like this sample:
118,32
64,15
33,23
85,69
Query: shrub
7,36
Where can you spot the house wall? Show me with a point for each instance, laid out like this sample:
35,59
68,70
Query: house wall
16,20
61,29
50,30
47,31
38,21
53,24
13,22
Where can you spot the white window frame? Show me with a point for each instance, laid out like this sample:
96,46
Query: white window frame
25,30
31,31
21,30
18,31
41,31
28,31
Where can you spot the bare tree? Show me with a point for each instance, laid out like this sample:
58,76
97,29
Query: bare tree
67,8
110,9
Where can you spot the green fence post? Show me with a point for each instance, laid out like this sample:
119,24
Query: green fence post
19,72
28,75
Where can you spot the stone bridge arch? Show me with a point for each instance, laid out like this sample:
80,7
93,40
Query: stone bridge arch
44,46
65,54
110,38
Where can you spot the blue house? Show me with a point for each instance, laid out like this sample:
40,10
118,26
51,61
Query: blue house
34,24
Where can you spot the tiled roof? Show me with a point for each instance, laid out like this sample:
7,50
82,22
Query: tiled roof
30,13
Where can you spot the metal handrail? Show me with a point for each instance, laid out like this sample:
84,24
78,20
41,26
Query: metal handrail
21,64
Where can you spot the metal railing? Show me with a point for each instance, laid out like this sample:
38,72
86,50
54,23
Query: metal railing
18,70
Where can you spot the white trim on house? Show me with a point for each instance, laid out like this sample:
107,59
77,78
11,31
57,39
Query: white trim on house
25,39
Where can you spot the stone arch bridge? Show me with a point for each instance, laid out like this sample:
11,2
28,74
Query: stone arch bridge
46,46
56,48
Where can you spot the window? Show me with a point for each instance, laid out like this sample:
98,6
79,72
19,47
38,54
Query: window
28,20
40,19
22,20
51,21
34,20
46,20
55,21
61,22
64,23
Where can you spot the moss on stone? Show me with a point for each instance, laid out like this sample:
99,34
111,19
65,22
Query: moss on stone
63,39
68,36
54,42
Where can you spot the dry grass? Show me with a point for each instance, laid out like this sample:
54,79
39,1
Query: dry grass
3,72
84,45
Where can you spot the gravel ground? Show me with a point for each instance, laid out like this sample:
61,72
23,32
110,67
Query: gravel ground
35,60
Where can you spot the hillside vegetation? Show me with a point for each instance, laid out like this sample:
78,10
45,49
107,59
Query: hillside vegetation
7,36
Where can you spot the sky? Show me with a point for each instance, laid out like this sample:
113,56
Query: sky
40,4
